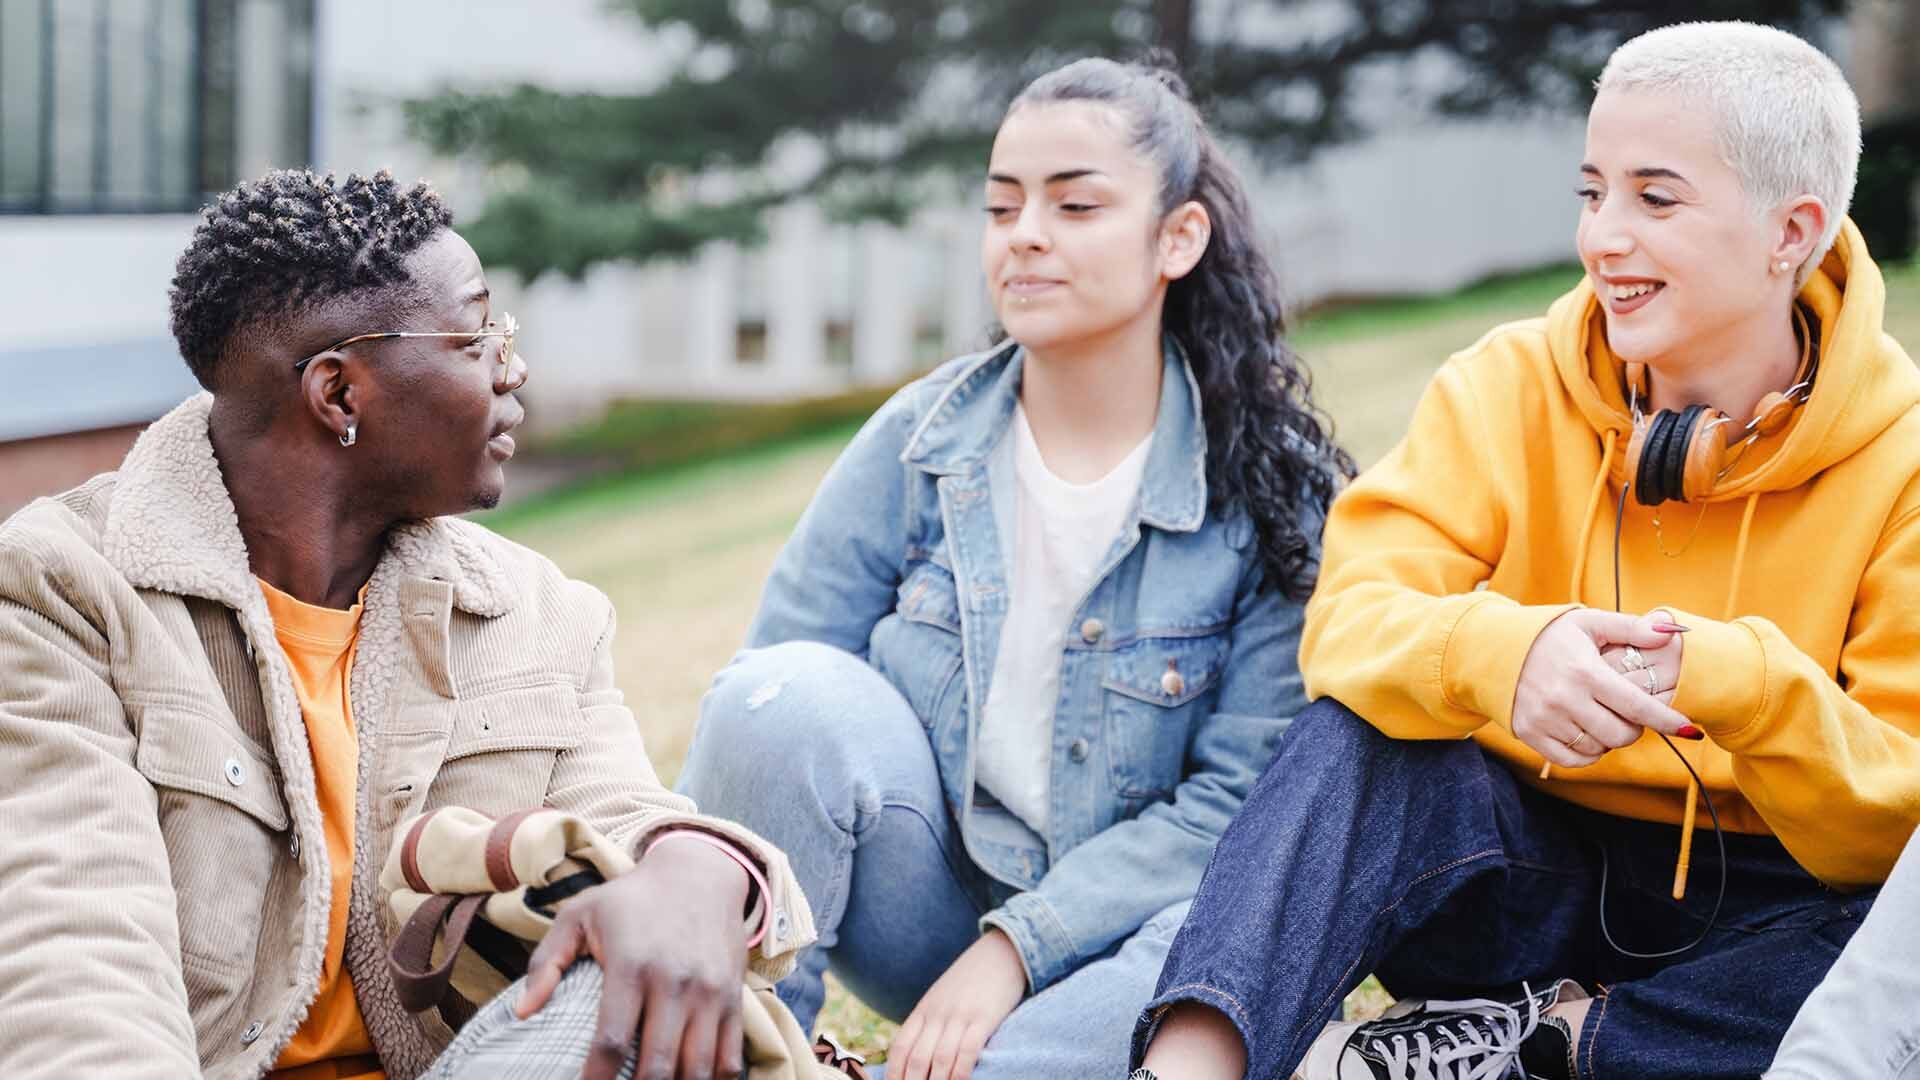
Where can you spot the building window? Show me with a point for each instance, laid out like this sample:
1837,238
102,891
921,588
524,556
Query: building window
149,106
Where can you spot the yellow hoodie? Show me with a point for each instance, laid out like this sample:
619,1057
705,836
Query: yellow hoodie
1801,585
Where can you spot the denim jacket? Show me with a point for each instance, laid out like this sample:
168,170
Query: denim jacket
899,559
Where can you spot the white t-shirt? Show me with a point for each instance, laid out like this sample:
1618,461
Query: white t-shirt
1061,534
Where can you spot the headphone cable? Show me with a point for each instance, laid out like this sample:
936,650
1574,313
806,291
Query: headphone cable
1720,839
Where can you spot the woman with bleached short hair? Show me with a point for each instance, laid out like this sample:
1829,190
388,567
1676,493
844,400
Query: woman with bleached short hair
1634,594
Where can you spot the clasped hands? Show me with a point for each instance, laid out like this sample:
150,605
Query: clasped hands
1594,679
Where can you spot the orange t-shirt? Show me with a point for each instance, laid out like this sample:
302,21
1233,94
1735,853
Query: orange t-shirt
332,1043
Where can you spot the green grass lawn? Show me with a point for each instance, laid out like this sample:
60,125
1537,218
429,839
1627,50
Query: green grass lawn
683,552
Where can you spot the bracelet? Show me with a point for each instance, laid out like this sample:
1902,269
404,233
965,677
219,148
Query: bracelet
753,872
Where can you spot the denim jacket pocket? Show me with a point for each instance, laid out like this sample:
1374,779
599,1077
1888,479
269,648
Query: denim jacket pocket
918,648
1157,689
929,595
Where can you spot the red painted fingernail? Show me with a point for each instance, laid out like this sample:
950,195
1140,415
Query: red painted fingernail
1688,731
1669,628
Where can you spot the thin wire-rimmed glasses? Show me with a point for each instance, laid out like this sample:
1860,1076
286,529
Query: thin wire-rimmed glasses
503,327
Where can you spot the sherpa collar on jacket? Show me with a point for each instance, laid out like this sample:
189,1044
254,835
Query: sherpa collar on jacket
173,527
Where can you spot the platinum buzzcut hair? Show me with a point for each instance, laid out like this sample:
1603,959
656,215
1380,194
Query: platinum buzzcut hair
1787,121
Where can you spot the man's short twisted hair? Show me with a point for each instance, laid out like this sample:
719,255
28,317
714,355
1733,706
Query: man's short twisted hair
289,239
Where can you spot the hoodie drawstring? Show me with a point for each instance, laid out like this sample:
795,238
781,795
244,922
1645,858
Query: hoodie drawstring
1586,536
1726,614
1594,498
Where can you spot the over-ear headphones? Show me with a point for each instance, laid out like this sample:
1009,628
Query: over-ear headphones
1679,456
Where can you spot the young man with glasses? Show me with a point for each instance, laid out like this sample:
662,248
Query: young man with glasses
230,669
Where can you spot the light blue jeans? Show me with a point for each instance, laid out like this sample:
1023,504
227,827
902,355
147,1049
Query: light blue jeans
811,748
1863,1020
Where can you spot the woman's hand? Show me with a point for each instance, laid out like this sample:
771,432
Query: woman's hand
669,939
1572,706
1661,663
943,1036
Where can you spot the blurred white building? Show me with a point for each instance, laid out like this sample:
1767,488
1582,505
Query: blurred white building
117,117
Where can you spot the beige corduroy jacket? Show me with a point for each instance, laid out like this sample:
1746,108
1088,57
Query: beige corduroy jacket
163,874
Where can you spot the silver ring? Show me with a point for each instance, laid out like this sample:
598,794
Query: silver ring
1636,661
1653,684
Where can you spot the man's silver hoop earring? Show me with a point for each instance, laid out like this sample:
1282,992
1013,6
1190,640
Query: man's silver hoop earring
353,433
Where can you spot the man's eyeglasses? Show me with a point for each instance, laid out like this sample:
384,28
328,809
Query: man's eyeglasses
503,327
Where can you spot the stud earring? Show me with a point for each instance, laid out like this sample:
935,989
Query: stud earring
353,433
1782,265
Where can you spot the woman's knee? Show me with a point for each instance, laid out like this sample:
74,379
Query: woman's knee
782,688
796,700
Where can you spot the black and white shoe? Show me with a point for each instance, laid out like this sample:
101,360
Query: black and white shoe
1449,1040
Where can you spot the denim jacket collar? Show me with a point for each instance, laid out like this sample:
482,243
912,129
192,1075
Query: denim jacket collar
971,415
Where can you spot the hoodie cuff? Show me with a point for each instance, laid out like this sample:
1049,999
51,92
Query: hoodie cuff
1046,949
1481,660
1723,676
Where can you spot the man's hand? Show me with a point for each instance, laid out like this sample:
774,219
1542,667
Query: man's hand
942,1038
668,937
1572,706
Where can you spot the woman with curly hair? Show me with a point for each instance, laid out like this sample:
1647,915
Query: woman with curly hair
1035,637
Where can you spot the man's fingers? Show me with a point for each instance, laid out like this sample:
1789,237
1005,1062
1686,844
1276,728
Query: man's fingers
730,1052
697,1040
545,967
620,1000
663,1023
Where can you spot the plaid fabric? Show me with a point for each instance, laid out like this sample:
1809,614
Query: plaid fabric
551,1044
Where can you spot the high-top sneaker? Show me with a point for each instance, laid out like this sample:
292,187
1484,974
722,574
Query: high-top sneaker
1446,1040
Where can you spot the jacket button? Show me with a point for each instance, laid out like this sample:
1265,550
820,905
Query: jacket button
1171,684
1092,631
1078,751
780,924
294,845
253,1032
236,772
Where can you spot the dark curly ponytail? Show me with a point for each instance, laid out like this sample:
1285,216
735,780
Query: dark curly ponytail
1270,450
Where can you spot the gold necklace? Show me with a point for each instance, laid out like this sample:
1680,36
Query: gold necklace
1660,539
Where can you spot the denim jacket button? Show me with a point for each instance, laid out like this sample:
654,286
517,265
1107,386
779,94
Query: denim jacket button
1171,684
1078,751
1092,631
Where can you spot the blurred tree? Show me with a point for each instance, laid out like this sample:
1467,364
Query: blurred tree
868,105
1886,69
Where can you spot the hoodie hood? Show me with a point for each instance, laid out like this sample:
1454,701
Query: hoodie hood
1865,380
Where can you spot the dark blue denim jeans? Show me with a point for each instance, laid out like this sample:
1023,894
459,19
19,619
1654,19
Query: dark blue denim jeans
1432,865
